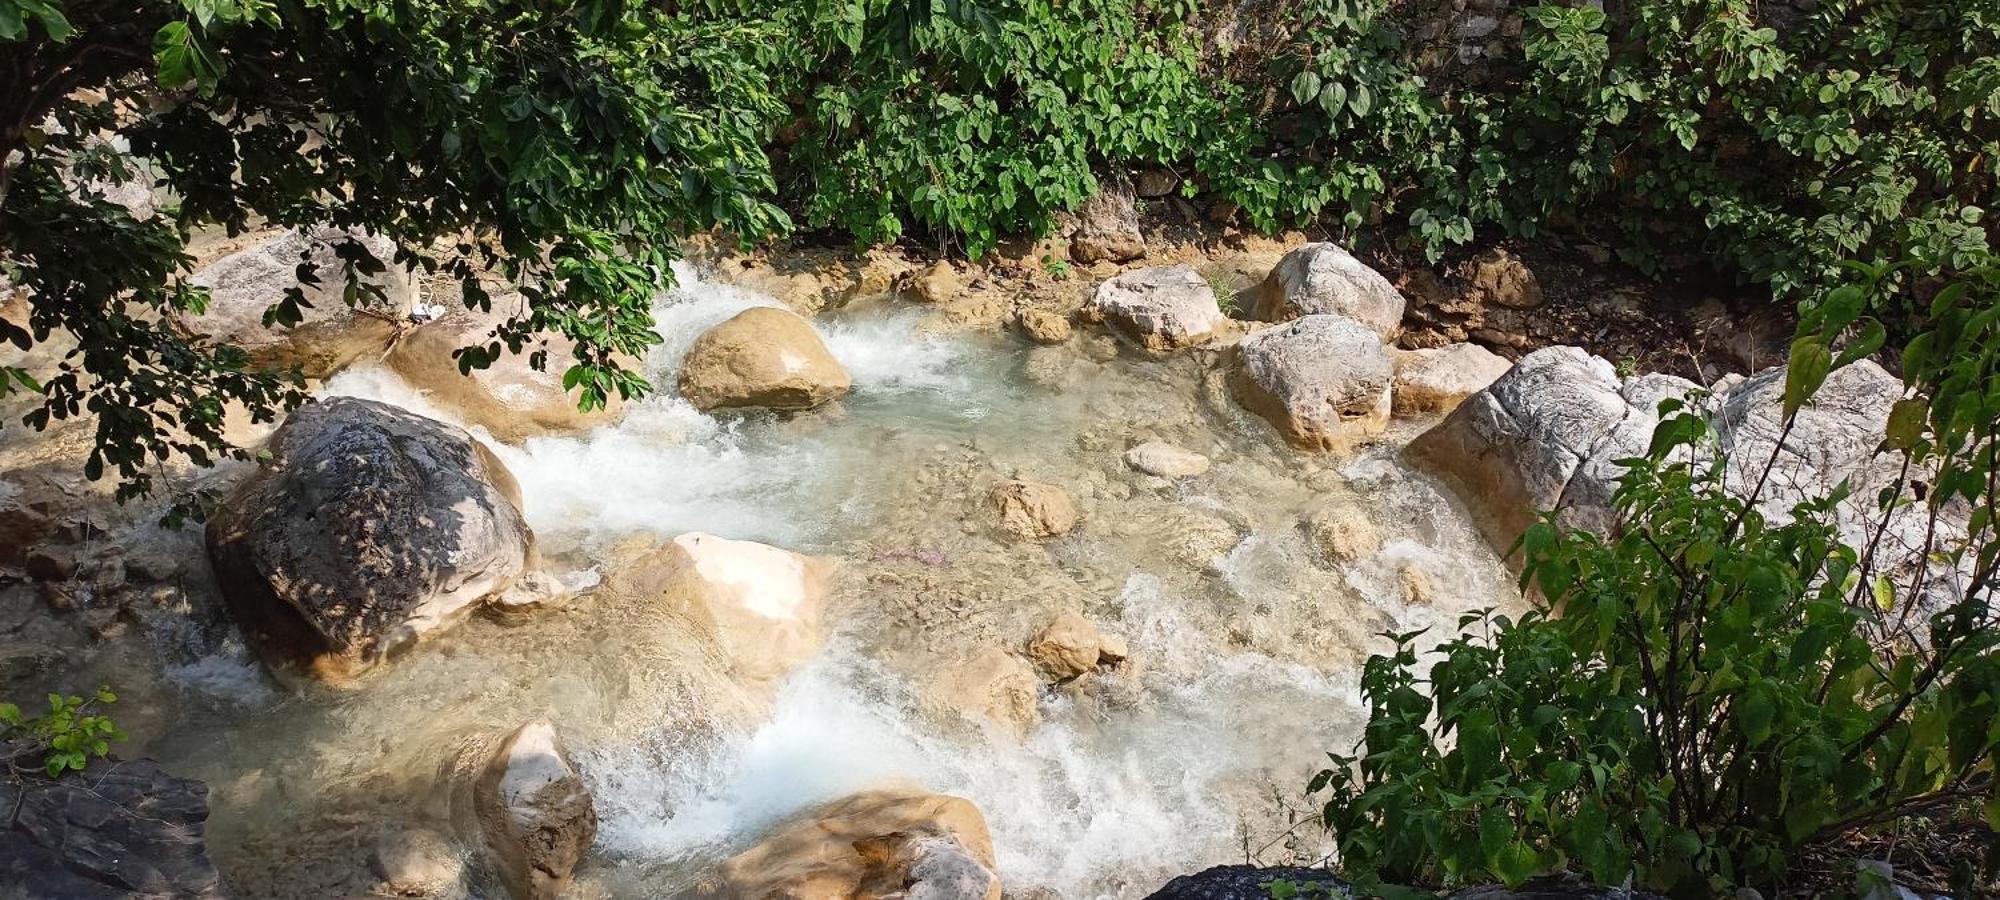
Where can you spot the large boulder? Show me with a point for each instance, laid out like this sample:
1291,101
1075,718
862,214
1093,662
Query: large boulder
762,357
1548,435
1513,447
535,812
1323,279
1108,225
875,845
370,529
120,829
1437,379
763,605
1162,308
1322,380
510,398
242,285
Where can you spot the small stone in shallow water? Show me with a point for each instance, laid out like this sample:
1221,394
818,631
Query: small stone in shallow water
417,862
1342,534
1032,509
1043,326
1166,460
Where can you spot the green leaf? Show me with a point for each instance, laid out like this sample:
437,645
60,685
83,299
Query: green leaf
1756,711
1906,422
1807,371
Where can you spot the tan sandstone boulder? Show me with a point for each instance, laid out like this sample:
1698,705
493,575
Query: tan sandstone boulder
521,798
762,604
1160,308
762,357
1032,509
1043,326
1438,379
1070,646
333,334
1322,380
509,398
370,529
1324,279
896,844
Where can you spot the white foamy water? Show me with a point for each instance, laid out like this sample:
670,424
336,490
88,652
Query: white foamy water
1104,799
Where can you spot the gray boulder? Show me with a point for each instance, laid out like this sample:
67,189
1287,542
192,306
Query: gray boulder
1322,380
535,812
371,529
1323,279
120,829
1161,308
1548,434
242,285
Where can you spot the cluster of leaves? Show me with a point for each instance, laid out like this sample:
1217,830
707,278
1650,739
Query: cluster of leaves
564,146
65,738
1706,692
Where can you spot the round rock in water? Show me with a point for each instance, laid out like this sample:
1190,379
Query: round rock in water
762,357
370,529
1166,460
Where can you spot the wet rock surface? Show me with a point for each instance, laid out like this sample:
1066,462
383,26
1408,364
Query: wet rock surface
120,829
509,398
874,845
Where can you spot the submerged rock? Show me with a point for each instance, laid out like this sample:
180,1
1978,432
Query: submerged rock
1043,326
761,604
371,529
762,357
1166,460
535,812
1323,279
1322,380
417,862
333,334
1108,225
1162,308
874,845
1033,510
509,398
118,829
1438,379
993,688
1342,533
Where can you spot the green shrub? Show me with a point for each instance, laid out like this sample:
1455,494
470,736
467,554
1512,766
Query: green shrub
1707,692
65,738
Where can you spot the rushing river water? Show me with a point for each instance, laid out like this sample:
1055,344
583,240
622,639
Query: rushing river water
1246,645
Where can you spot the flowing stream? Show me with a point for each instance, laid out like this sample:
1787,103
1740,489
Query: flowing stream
1246,644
